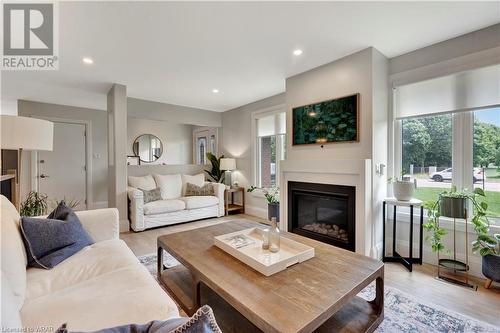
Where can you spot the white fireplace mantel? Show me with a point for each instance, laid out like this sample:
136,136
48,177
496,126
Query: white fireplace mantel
337,172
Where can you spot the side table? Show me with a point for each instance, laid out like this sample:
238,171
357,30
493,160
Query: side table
229,205
396,257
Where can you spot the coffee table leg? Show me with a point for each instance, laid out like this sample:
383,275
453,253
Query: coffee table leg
378,302
159,262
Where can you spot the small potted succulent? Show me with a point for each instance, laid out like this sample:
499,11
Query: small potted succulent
403,188
273,201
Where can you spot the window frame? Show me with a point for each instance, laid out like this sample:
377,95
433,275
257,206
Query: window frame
462,154
280,140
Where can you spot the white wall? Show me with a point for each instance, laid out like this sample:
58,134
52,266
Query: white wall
98,123
236,141
177,139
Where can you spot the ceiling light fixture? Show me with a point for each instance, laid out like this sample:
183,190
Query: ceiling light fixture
297,52
88,61
215,91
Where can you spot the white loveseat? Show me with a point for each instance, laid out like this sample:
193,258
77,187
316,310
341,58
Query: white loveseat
174,207
103,285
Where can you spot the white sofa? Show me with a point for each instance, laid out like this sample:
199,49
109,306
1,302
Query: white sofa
174,207
103,285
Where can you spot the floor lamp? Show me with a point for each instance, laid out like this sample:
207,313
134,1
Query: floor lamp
24,133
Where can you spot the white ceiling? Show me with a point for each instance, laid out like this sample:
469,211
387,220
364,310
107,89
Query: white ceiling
178,52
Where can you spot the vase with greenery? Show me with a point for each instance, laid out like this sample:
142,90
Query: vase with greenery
34,205
272,196
215,174
403,188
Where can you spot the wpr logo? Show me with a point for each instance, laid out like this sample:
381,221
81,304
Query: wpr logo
29,36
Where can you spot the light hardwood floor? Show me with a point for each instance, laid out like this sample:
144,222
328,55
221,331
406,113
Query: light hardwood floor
421,283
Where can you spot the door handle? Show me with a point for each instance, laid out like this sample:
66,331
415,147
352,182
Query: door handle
43,176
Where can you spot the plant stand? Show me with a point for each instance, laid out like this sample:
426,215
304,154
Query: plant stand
455,265
396,257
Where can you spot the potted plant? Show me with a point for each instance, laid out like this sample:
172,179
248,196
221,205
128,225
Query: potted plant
34,205
272,196
215,174
403,188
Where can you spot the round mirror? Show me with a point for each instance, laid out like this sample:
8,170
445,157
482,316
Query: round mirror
148,147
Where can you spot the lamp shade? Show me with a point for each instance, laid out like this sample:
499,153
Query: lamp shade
26,133
227,164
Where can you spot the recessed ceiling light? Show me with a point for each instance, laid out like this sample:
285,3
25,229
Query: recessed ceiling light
297,52
215,91
88,60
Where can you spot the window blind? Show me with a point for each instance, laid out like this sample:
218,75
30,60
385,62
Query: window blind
271,125
463,91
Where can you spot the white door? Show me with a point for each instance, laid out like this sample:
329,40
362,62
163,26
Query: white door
61,173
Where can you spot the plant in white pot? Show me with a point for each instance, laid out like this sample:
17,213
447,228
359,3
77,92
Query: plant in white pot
273,201
403,188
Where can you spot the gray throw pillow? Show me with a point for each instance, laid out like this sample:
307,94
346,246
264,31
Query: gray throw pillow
50,241
203,321
152,195
205,190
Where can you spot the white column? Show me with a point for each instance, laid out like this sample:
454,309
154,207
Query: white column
117,152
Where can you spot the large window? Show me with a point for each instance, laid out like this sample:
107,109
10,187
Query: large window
486,157
270,148
426,154
448,134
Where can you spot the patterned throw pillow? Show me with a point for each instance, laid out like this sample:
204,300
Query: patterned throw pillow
205,190
152,195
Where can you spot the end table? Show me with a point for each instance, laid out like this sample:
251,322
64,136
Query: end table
230,206
396,257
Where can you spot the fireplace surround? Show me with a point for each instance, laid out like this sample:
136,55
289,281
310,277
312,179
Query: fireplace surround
324,212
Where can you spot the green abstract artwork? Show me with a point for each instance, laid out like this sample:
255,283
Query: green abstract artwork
335,120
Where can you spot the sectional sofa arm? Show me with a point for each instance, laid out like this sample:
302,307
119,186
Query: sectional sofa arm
136,208
101,224
219,190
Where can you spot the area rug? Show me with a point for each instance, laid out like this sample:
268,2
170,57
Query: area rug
402,313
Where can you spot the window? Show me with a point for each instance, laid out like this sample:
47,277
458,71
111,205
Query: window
426,154
486,156
270,147
447,133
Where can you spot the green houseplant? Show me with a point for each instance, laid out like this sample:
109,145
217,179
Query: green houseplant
272,196
34,205
215,174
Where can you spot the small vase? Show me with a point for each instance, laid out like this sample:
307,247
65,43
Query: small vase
273,210
274,236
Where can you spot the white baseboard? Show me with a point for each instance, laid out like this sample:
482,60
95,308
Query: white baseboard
256,211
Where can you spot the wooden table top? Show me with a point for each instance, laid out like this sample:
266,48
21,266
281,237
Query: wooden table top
297,299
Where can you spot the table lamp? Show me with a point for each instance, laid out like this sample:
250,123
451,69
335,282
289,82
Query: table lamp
228,165
24,133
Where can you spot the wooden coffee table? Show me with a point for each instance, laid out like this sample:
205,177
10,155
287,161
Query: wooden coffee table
316,295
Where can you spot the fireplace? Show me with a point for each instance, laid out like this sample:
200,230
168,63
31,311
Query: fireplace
323,212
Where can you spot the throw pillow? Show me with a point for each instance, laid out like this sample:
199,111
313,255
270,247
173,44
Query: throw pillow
51,240
145,183
153,195
205,190
170,186
203,321
198,180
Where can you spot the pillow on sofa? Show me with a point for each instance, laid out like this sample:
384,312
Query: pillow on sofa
203,321
205,190
146,183
170,186
198,180
50,241
153,195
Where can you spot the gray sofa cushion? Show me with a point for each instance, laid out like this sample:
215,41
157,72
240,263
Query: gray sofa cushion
152,195
194,190
50,241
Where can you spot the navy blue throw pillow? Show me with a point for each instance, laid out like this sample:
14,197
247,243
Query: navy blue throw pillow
50,241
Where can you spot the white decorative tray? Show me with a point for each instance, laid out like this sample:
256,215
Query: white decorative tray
250,251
